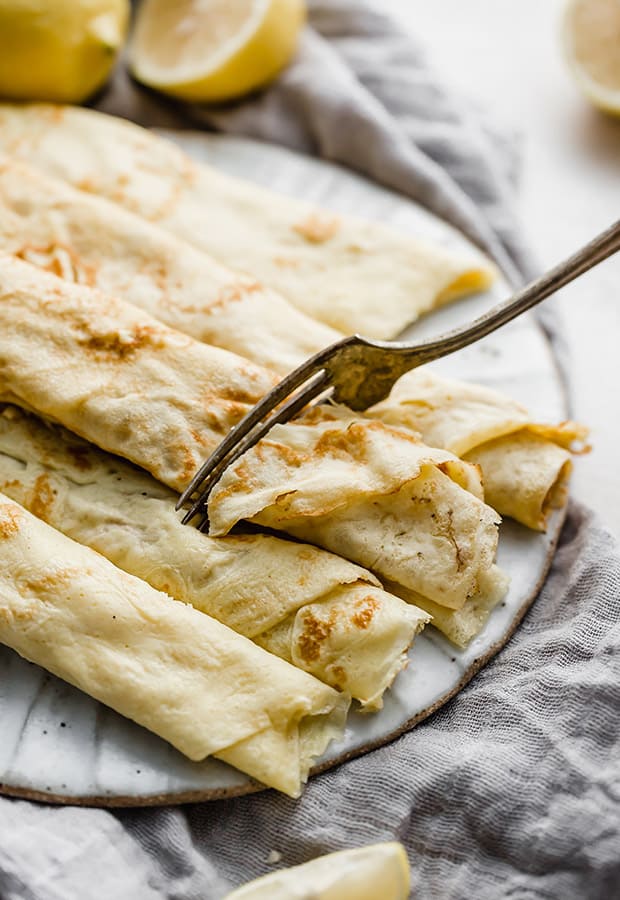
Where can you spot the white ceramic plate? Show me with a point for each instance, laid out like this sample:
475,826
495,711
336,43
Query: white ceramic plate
58,744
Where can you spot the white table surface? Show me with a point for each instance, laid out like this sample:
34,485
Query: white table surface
508,56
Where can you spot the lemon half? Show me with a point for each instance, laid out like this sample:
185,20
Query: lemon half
366,873
213,50
58,50
592,42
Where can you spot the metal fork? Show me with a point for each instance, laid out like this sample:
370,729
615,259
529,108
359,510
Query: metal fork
358,372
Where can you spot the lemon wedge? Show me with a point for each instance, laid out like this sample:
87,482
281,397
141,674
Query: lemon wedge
366,873
213,50
592,42
61,51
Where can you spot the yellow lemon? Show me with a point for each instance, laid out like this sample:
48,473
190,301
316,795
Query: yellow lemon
58,50
213,50
366,873
592,42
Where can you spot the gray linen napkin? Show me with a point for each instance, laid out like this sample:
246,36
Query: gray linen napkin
513,788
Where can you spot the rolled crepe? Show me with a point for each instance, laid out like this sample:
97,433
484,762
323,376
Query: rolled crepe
461,626
89,240
310,607
179,673
332,482
86,239
134,387
525,466
346,272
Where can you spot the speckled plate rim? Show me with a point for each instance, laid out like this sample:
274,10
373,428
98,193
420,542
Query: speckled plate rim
213,794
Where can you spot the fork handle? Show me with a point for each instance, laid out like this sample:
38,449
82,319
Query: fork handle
607,243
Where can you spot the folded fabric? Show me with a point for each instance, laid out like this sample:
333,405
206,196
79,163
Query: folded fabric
525,465
109,372
179,673
92,241
261,586
348,273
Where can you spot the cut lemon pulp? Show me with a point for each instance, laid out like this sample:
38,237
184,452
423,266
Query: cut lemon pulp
213,50
366,873
592,42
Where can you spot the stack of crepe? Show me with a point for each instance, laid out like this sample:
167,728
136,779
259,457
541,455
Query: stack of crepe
352,275
178,672
138,338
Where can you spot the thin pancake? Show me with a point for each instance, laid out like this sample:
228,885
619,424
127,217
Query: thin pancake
525,465
346,272
89,240
109,372
179,673
461,626
338,623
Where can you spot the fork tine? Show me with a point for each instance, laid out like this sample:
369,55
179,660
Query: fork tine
212,470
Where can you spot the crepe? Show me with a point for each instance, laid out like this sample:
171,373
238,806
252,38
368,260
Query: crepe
525,466
91,241
86,239
427,530
461,626
179,673
310,607
134,387
350,274
372,872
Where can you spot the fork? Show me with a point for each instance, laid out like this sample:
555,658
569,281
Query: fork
358,372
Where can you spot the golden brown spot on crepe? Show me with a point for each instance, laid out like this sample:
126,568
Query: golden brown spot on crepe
121,344
160,274
315,632
460,562
318,228
318,414
42,497
87,185
80,456
350,444
235,292
59,260
339,677
11,484
189,465
293,458
118,195
19,614
219,415
10,518
238,396
366,609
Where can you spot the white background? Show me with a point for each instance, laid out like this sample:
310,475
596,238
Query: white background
507,54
